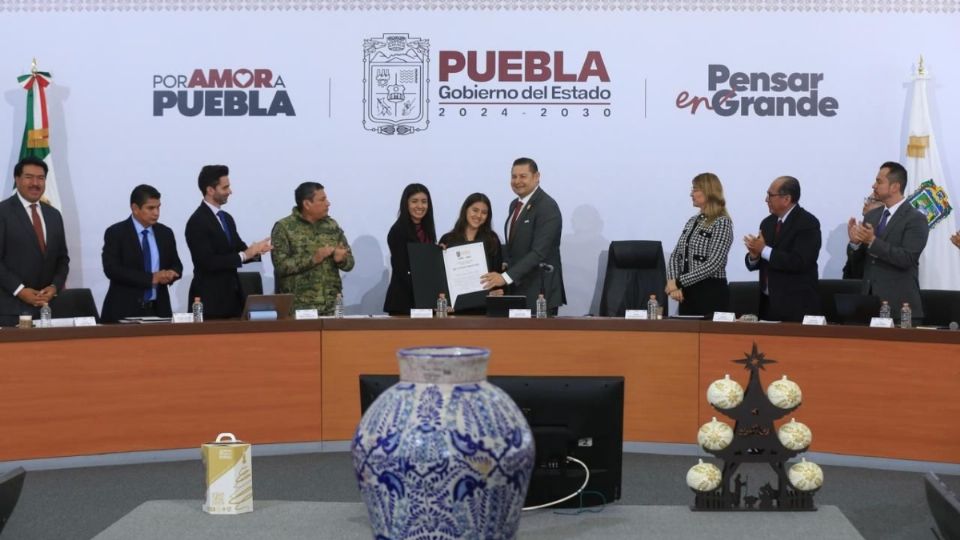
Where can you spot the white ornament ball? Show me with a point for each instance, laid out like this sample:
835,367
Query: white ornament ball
806,475
715,435
784,393
704,476
795,435
725,393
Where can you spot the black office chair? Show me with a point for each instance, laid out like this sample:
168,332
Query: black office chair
635,270
11,483
744,297
74,303
944,506
829,288
940,308
250,283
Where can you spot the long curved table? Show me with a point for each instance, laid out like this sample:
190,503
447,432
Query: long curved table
81,391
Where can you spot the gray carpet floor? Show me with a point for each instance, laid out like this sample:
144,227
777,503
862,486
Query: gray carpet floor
79,503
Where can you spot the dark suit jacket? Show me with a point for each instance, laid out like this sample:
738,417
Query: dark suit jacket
891,265
215,263
791,273
22,262
399,299
536,240
123,265
853,269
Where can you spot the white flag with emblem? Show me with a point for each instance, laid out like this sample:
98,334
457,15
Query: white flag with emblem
940,261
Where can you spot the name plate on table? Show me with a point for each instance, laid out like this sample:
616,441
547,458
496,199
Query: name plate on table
64,322
639,314
881,322
421,313
519,313
183,317
306,314
84,321
724,316
814,320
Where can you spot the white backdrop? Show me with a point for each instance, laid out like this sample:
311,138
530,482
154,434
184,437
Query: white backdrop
622,176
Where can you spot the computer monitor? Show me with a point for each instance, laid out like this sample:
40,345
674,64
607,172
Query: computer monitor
280,303
580,417
500,306
856,308
11,483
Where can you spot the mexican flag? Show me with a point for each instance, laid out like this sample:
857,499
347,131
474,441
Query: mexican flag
36,131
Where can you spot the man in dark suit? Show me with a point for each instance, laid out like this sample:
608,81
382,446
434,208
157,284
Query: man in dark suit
532,253
785,252
889,243
217,249
853,269
33,247
140,260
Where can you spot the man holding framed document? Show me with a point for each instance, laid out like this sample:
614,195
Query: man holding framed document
532,253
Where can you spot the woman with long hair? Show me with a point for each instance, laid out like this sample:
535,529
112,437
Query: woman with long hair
697,273
414,225
473,225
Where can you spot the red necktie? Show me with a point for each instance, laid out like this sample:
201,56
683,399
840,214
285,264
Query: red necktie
38,228
776,233
516,214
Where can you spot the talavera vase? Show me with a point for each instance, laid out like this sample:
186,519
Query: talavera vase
443,453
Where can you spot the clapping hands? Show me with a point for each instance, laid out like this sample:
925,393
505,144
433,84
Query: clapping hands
860,233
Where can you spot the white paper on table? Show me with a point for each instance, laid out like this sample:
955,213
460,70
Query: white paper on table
465,265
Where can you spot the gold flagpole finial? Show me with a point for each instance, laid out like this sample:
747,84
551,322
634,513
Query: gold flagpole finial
922,71
33,66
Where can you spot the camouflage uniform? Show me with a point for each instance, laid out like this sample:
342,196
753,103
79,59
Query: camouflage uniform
295,240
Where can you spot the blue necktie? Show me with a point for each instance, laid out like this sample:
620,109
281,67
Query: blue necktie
883,221
226,229
147,263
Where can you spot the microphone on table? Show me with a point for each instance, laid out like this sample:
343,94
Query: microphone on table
545,268
954,325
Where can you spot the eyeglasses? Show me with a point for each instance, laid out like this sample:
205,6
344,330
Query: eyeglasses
771,195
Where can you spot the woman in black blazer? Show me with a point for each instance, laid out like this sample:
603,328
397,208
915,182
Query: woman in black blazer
414,225
473,225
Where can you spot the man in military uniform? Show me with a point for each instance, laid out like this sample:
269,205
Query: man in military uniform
309,251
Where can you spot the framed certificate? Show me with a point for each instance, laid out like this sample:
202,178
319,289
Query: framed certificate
455,271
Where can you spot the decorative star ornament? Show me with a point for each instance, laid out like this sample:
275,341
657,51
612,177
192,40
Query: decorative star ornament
755,359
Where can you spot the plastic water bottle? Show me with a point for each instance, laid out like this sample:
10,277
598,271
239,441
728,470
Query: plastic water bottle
197,310
442,305
906,315
46,316
338,307
885,310
653,308
541,307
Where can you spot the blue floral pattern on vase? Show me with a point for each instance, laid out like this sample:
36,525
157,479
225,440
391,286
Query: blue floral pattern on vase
443,461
